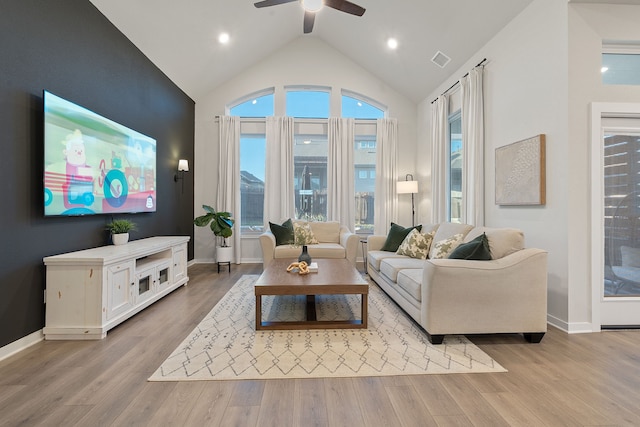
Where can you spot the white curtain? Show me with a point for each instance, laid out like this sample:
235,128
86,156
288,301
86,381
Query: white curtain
473,148
340,172
279,203
386,205
439,159
228,194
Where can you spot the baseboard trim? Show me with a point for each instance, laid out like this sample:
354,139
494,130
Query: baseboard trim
21,344
570,328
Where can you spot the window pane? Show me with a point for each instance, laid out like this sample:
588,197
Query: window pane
621,214
620,69
365,182
455,168
256,107
252,165
308,104
310,175
357,109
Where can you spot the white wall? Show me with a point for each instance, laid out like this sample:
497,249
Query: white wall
525,87
305,61
589,25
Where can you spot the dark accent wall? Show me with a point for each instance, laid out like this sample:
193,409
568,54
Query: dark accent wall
69,48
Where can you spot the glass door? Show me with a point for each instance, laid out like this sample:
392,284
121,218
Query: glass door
620,292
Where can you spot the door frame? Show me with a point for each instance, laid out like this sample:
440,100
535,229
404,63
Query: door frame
598,111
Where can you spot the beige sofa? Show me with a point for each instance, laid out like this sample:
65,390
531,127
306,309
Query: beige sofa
335,241
507,294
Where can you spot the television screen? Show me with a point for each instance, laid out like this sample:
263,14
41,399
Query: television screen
93,165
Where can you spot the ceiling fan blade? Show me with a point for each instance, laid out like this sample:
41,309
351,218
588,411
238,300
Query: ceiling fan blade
309,18
345,6
266,3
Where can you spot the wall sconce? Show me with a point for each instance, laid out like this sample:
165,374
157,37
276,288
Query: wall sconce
409,186
183,166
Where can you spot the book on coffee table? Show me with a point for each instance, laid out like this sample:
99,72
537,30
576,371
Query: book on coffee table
313,267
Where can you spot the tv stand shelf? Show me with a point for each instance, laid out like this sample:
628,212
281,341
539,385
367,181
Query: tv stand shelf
91,291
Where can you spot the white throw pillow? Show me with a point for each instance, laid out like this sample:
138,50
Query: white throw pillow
443,248
416,244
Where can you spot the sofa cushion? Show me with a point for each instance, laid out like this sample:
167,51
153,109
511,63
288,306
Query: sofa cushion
502,241
476,249
375,257
390,267
283,233
443,248
326,232
321,250
448,229
303,234
396,235
410,279
416,244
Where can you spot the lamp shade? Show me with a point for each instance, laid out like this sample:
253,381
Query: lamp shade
183,165
407,187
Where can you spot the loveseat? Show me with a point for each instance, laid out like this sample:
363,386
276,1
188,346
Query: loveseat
330,240
504,294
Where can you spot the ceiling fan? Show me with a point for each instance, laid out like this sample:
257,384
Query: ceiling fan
312,6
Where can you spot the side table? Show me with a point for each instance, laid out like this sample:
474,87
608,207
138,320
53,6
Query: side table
363,242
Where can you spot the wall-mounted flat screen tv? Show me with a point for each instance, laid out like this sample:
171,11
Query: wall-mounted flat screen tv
93,165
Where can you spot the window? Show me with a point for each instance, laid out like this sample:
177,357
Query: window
259,105
252,171
353,107
310,172
310,104
454,208
365,179
621,64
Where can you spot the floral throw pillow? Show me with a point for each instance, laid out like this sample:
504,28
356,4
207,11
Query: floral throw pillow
303,234
443,248
416,244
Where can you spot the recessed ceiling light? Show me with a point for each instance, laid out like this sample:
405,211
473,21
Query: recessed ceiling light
254,102
604,69
223,38
392,43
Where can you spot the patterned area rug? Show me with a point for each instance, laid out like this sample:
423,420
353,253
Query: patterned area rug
226,346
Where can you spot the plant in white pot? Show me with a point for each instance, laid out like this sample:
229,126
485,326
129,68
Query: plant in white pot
221,224
120,229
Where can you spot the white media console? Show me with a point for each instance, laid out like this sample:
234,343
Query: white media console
93,290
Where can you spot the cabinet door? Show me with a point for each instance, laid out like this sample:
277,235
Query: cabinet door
144,285
119,289
164,277
179,262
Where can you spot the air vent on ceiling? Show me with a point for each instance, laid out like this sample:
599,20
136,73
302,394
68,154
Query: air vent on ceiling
440,59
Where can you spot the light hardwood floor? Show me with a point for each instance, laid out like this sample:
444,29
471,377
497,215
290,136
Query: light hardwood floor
567,380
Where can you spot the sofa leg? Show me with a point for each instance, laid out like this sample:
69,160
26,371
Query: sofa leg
435,339
533,337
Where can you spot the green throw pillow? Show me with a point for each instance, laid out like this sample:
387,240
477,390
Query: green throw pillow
396,236
476,249
283,233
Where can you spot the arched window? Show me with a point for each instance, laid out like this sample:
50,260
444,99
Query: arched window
255,105
357,107
309,103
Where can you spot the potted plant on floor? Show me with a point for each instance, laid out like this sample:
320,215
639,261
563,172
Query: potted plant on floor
119,229
221,224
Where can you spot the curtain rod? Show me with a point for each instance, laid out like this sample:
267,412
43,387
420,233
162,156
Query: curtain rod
458,82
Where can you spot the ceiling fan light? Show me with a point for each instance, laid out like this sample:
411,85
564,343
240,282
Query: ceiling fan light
312,5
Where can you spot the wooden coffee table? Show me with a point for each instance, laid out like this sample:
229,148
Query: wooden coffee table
334,276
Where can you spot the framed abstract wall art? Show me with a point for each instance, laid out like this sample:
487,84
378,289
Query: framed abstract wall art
520,172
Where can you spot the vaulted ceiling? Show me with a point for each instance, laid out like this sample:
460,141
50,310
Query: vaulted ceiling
181,37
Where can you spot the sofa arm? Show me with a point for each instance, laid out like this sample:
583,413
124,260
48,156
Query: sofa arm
375,242
503,295
268,245
349,241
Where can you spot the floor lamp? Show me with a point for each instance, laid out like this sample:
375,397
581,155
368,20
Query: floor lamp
409,186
